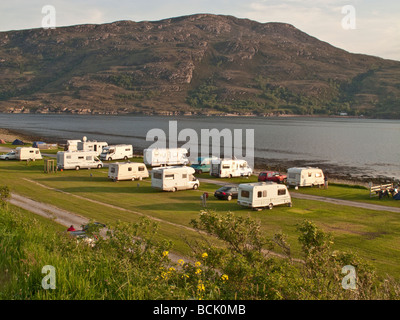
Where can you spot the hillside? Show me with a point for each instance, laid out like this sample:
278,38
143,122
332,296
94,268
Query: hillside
199,64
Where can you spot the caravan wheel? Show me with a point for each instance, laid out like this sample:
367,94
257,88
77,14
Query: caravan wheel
174,189
195,187
125,158
77,168
99,166
270,206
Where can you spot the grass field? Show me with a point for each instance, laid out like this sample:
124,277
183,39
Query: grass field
374,235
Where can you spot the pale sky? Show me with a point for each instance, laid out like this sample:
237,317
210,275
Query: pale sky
376,32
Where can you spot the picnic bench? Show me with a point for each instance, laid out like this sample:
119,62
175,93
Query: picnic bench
380,190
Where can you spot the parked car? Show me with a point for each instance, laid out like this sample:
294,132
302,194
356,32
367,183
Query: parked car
227,193
89,232
9,156
273,176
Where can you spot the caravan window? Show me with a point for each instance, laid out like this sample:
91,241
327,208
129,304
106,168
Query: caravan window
310,174
169,177
281,192
157,175
37,152
226,166
81,157
245,194
130,169
112,170
264,193
127,149
68,157
318,174
89,158
30,151
292,176
184,176
141,168
259,194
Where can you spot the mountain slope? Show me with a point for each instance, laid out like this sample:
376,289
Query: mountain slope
202,63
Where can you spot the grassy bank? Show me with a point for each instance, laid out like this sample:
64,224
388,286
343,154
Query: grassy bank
372,234
133,263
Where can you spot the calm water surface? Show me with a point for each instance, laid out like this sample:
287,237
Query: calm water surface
371,147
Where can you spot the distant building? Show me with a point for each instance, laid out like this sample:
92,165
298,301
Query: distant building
343,114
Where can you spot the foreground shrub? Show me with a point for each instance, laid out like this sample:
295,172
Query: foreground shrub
130,263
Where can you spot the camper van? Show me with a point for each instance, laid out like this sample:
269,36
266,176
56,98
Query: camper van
203,164
259,195
95,146
28,153
117,152
165,157
78,160
174,178
229,168
302,177
72,145
127,171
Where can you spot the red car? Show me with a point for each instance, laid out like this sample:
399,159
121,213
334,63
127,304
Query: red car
274,176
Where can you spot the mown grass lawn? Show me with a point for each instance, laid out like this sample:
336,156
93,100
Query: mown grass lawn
374,235
348,192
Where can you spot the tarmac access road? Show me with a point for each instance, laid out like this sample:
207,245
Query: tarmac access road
363,205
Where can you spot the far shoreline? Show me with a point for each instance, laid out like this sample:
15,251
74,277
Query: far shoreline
211,115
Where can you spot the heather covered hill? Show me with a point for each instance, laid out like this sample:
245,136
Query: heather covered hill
199,64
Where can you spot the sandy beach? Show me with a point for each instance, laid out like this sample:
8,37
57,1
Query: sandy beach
10,135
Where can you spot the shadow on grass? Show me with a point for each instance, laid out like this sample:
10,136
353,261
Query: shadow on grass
123,190
73,179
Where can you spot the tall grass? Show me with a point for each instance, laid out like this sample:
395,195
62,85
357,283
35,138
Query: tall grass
132,263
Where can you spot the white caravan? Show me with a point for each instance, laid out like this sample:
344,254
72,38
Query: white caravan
259,195
95,146
78,160
117,152
127,171
174,178
28,153
165,157
302,177
72,145
229,168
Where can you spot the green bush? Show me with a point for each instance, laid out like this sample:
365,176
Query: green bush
130,262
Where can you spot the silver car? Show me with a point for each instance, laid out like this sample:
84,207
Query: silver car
9,156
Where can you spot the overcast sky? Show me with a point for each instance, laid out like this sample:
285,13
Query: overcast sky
376,32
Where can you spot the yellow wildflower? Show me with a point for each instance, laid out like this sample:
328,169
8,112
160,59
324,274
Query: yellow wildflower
197,264
171,269
181,262
198,271
200,287
224,277
204,255
165,253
